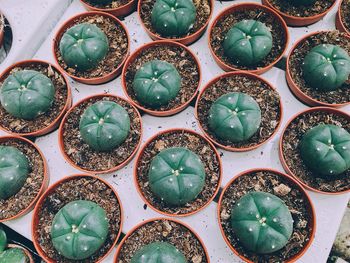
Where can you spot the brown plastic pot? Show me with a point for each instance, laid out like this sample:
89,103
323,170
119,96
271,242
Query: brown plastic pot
281,155
68,24
58,119
237,8
26,252
44,184
120,11
35,219
339,20
293,181
134,56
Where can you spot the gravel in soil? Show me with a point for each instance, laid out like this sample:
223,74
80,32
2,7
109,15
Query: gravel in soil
113,4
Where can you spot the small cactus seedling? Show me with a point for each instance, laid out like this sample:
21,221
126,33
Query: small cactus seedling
156,83
26,94
261,222
302,2
160,252
248,42
83,46
104,125
325,149
234,117
10,255
79,229
173,17
176,175
326,67
14,170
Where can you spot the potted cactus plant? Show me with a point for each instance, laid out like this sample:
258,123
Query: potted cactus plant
118,8
342,21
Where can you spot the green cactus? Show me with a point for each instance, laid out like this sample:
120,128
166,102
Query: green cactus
325,149
26,94
234,117
160,252
302,2
176,175
14,170
248,42
261,222
83,46
10,255
79,229
156,83
173,17
104,125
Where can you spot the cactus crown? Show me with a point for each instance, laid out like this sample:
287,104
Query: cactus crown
79,229
325,149
11,255
83,46
261,222
173,17
26,94
176,175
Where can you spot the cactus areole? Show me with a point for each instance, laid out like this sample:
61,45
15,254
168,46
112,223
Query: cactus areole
10,255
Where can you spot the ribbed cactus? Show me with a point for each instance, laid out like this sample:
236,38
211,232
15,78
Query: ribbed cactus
10,255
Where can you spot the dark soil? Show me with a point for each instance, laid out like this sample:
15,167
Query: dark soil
31,188
291,151
341,95
293,197
197,145
345,13
112,5
87,158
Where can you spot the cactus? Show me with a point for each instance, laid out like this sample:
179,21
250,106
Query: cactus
156,83
234,117
326,67
26,94
79,229
248,42
104,125
176,175
10,255
83,46
173,17
261,222
160,252
302,2
14,170
325,149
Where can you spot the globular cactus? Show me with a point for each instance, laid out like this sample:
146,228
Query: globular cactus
176,175
248,42
234,117
262,222
302,2
156,83
10,255
26,94
104,125
79,229
325,149
14,170
173,17
160,252
83,46
326,67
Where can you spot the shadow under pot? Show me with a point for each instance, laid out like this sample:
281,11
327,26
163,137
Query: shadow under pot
118,8
23,176
2,28
342,21
171,237
248,37
91,47
318,69
178,172
315,149
161,78
279,219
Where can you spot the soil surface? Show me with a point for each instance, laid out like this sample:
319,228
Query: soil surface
345,13
112,5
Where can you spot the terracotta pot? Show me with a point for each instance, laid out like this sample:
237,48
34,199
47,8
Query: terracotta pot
225,75
35,219
67,105
120,11
295,88
61,144
293,181
44,184
138,161
339,20
134,56
297,20
187,40
159,219
240,7
281,155
28,254
68,24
